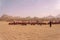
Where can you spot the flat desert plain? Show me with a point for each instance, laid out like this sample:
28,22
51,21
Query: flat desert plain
29,32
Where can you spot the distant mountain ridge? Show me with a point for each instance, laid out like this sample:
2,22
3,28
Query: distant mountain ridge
58,16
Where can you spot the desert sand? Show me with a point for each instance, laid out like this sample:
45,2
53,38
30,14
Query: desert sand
29,32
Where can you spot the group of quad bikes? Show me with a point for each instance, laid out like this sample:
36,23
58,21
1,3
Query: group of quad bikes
33,23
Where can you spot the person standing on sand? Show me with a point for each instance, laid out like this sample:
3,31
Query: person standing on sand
50,23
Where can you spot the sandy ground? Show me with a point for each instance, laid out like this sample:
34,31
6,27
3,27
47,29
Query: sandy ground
29,32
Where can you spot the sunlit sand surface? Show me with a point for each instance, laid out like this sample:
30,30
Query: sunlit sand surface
29,32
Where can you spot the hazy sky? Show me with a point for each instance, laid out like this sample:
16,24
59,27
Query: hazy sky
31,8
